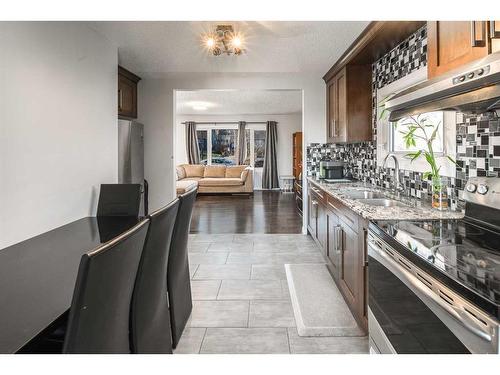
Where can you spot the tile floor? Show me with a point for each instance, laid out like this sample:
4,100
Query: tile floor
241,302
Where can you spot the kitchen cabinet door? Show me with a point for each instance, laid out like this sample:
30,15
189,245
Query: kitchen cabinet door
127,94
349,270
349,107
451,44
333,244
340,129
322,228
331,113
337,108
312,213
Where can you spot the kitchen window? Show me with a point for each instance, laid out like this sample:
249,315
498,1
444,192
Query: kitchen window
430,120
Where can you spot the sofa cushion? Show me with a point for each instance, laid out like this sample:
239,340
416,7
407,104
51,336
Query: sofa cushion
184,186
194,170
193,178
181,173
244,174
235,171
214,181
215,171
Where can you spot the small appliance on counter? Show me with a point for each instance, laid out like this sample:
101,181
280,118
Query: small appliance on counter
331,169
434,286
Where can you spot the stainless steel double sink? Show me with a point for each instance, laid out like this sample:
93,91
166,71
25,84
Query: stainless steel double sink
374,198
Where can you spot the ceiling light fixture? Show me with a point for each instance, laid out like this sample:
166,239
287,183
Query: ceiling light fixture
199,108
200,105
224,40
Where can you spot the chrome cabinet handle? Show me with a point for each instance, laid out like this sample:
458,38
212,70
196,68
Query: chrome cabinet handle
402,273
365,240
477,42
339,241
315,209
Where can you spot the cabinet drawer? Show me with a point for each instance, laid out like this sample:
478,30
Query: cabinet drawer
349,217
317,193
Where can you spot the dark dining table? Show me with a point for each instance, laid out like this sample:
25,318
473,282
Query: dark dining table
37,276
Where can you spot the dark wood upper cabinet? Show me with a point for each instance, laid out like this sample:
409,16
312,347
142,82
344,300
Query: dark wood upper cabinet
127,93
451,44
349,80
349,105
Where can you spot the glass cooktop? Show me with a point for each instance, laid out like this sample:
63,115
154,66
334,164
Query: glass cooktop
463,251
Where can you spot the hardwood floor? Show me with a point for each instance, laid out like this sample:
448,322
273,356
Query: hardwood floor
265,212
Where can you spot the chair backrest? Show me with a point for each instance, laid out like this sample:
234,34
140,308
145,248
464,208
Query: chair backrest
178,283
119,200
99,318
150,316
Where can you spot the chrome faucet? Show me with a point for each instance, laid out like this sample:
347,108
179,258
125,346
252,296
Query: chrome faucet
398,186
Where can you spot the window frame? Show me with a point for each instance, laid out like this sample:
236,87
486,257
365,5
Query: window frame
251,127
404,152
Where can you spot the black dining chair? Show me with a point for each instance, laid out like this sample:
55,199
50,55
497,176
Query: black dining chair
150,320
178,281
99,318
119,200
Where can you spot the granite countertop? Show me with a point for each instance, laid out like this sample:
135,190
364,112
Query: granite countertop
417,209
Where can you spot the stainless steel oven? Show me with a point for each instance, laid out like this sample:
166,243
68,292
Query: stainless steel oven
411,311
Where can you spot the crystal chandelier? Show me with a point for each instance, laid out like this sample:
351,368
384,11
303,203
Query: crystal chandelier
224,40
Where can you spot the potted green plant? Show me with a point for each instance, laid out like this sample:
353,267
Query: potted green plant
420,127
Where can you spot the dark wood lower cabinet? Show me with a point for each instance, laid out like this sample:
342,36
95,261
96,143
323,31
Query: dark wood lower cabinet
322,228
349,252
334,248
341,235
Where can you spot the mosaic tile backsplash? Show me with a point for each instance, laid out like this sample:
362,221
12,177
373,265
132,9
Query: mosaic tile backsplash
361,160
407,57
478,136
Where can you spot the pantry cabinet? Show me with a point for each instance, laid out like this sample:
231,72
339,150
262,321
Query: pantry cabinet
452,44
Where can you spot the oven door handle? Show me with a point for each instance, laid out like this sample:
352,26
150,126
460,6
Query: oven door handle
379,254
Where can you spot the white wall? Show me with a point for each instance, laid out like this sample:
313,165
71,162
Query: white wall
287,125
58,136
156,111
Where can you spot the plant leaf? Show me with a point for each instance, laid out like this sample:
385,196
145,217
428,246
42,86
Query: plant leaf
416,155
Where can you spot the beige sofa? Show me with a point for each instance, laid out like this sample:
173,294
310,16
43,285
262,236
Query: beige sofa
214,178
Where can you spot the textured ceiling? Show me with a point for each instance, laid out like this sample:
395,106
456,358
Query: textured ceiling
172,47
239,102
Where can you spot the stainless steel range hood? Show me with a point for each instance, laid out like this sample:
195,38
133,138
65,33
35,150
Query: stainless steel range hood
472,88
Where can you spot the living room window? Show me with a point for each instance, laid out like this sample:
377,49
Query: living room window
203,145
218,145
255,145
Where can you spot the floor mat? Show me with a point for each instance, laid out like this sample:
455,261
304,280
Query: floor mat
318,305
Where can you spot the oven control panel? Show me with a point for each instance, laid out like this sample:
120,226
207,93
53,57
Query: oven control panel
483,190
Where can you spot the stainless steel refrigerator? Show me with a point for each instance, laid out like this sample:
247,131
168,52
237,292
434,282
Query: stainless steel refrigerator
131,158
